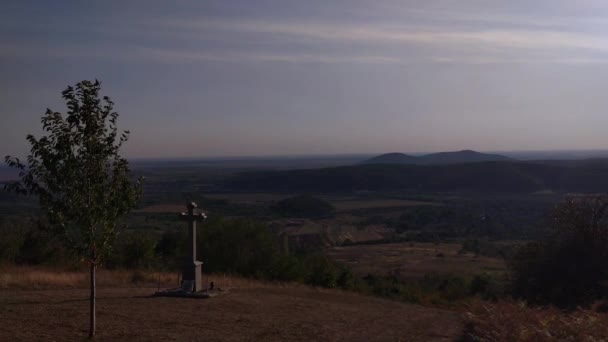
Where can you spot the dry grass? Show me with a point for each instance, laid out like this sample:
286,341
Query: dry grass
414,260
509,321
250,311
40,278
25,277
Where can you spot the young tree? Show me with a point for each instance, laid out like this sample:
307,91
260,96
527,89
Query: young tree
76,172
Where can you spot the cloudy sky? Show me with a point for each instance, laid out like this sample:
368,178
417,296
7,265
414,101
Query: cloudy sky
214,78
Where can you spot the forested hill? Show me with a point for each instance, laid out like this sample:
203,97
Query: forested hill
459,157
466,156
503,176
392,158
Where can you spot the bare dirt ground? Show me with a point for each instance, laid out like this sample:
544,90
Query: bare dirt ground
248,311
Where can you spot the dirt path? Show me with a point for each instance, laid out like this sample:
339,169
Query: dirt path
256,313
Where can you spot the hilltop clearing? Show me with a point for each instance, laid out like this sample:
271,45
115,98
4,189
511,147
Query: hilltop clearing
248,311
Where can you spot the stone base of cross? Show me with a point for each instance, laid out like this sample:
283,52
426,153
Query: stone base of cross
192,276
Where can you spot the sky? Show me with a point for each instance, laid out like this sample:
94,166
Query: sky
206,78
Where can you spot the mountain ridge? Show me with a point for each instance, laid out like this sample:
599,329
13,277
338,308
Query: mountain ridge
454,157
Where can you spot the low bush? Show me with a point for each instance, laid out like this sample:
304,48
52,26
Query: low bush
488,248
235,246
432,289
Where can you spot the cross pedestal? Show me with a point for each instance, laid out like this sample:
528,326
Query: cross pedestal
192,278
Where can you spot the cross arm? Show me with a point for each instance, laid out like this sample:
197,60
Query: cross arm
194,217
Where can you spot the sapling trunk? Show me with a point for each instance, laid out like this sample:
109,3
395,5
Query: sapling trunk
92,302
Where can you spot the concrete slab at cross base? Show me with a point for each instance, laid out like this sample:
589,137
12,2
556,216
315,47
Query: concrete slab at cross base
187,294
180,293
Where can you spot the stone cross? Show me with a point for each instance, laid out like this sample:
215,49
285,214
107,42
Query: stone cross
192,279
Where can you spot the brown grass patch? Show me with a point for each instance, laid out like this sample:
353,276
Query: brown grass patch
510,321
414,260
250,311
29,277
40,278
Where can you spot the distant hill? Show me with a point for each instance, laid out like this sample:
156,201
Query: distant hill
393,158
499,177
458,157
8,174
465,156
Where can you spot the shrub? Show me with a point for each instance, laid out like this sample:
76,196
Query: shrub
488,248
569,268
170,249
346,278
393,288
509,321
39,246
237,246
320,271
134,251
11,240
286,268
450,287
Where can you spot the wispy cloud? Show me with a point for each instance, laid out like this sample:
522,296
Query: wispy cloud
488,15
529,39
173,55
183,55
142,54
183,38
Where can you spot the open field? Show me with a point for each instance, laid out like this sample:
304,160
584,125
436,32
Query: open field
248,198
414,260
346,205
248,311
341,203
